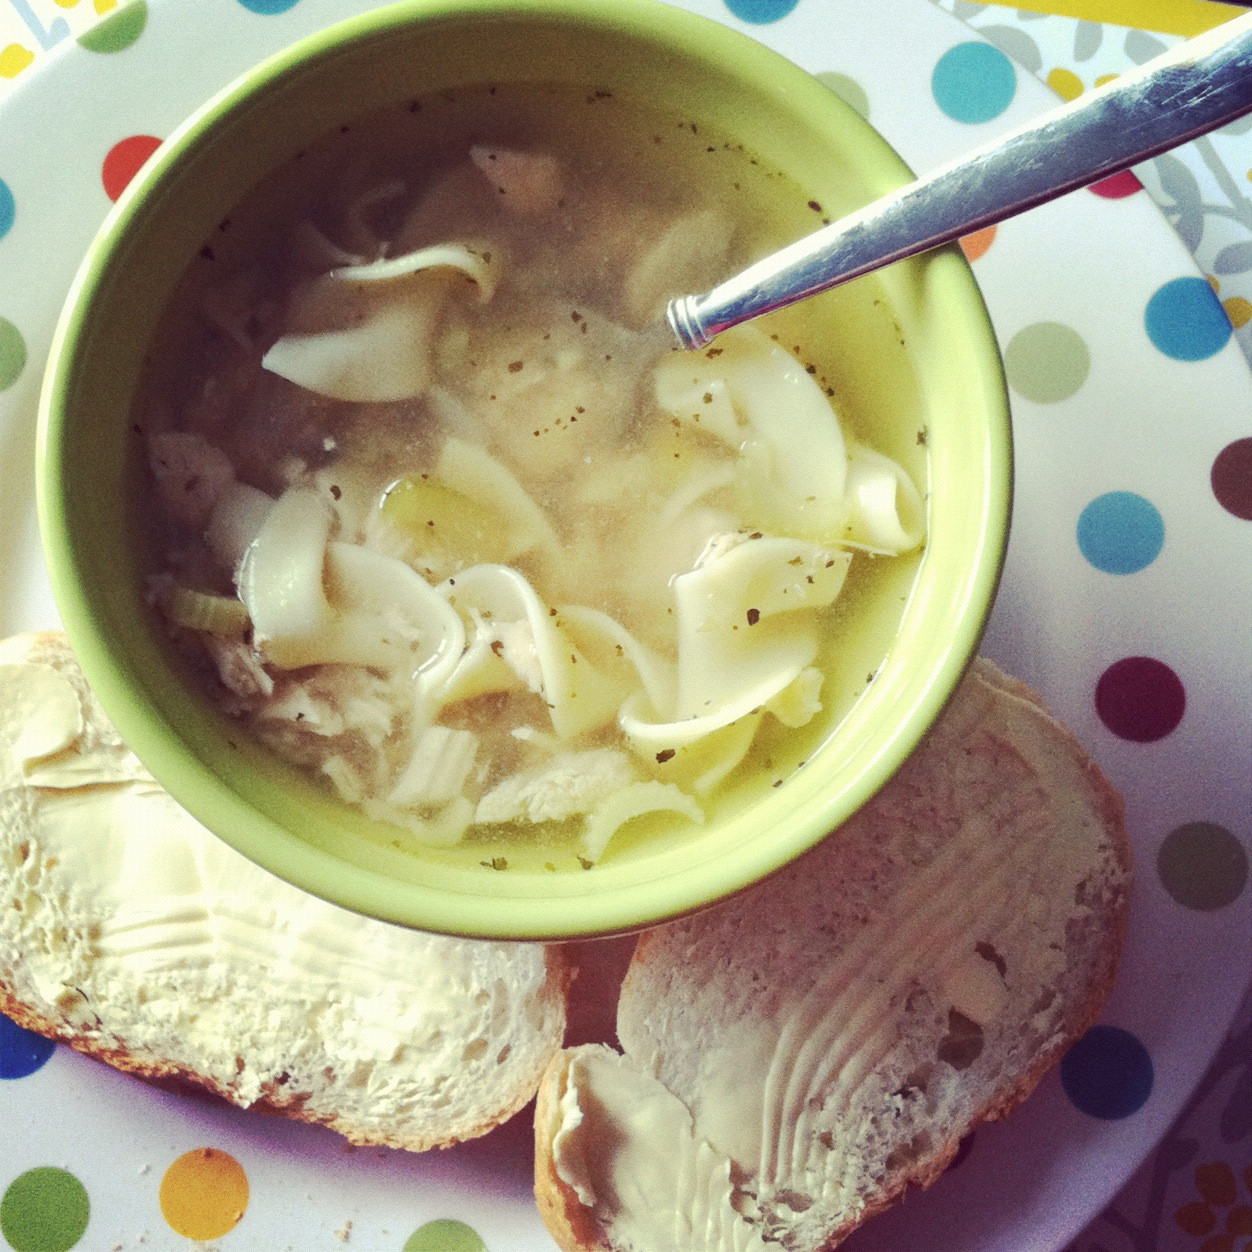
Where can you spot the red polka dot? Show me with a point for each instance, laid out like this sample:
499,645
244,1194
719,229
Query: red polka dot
1231,478
123,160
1140,699
1117,186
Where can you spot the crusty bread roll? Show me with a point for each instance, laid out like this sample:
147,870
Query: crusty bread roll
795,1058
135,936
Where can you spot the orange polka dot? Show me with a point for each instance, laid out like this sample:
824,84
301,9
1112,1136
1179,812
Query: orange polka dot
977,242
1238,310
204,1194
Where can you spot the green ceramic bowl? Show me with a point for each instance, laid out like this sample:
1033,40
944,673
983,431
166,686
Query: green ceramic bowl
913,350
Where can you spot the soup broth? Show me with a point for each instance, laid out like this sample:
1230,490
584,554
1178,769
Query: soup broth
443,516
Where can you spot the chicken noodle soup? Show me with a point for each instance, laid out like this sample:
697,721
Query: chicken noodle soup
447,520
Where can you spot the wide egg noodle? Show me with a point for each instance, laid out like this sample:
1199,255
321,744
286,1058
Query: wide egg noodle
697,753
886,513
609,645
579,696
793,460
315,602
482,668
487,481
696,392
384,358
479,264
366,333
628,803
745,625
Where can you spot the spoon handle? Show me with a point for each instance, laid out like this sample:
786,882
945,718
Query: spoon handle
1194,88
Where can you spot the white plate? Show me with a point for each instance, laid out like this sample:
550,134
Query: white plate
1117,443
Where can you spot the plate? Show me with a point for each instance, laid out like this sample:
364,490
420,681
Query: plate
1126,601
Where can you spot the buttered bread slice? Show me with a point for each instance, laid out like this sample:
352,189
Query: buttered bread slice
135,936
794,1059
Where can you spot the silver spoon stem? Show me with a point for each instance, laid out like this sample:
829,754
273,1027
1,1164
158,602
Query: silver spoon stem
1194,88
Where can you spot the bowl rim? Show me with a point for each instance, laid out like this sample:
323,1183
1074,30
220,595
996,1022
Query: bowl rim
579,909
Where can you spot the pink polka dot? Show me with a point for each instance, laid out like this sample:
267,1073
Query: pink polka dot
1140,699
123,160
1117,186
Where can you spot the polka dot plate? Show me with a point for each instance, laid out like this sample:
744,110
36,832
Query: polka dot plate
1127,601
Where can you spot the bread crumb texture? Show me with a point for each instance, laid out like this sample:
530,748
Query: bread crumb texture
132,934
804,1053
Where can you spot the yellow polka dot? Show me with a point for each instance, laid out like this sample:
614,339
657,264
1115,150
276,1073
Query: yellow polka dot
66,4
1238,310
1106,78
104,6
1065,83
204,1194
14,59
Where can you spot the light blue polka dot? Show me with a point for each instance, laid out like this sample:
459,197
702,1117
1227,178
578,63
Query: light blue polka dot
761,11
973,82
1120,532
1186,321
269,8
1107,1073
8,208
22,1051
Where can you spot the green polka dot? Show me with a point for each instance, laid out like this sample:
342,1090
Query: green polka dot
44,1210
1047,362
118,31
445,1235
12,354
1202,865
848,89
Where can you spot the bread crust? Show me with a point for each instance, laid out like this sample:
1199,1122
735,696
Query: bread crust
571,1223
277,1098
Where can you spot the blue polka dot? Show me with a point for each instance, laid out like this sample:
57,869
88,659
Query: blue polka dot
269,7
761,11
1107,1073
973,82
1120,532
1186,321
8,208
22,1051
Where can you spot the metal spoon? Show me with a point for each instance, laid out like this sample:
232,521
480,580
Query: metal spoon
1196,87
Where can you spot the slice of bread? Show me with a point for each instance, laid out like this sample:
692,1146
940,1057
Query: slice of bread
797,1057
130,933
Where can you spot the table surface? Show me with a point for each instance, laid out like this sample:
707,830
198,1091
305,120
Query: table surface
1194,1193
